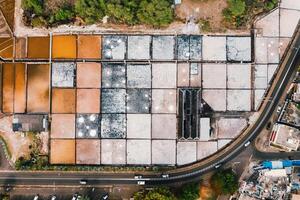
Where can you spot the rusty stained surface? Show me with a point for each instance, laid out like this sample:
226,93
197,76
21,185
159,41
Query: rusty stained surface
38,47
20,48
63,126
89,47
8,9
6,48
8,87
62,151
38,88
20,88
63,100
88,75
64,46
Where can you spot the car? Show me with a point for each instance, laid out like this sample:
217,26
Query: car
53,197
141,182
75,196
165,175
36,197
218,166
104,197
138,176
247,144
83,182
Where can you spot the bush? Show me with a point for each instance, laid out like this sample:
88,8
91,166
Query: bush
121,14
90,11
34,6
236,7
190,192
156,13
159,193
63,15
38,22
224,182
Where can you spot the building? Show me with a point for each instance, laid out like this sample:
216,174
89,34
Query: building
30,123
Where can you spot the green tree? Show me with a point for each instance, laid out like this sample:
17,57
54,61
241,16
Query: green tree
90,11
159,193
224,182
85,197
63,14
34,6
236,7
121,14
190,192
156,12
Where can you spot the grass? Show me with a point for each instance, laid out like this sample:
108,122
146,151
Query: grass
5,146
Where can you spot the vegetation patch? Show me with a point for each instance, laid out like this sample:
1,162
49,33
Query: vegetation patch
156,13
241,12
224,182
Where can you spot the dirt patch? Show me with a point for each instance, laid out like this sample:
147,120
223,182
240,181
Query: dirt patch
8,8
20,48
210,10
63,126
38,88
18,144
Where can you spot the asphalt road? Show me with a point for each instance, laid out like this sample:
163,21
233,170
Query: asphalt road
289,65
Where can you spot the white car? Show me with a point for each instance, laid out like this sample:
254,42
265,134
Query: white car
141,182
83,182
138,177
247,144
53,197
36,197
165,175
218,166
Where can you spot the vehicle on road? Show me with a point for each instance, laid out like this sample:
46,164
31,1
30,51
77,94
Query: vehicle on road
138,176
247,144
36,197
141,182
75,196
165,175
104,197
218,166
53,197
83,182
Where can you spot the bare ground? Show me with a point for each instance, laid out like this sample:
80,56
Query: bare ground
210,10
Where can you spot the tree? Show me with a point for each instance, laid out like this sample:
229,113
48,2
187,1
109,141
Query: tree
63,14
160,193
85,197
34,6
236,7
224,182
121,14
90,10
156,12
190,192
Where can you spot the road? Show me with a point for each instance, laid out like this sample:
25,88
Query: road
288,67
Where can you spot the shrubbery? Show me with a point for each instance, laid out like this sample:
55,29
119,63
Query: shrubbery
156,13
224,182
240,12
